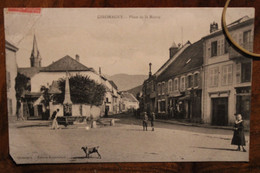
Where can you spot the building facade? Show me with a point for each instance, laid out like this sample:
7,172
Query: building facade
47,76
227,81
179,86
11,73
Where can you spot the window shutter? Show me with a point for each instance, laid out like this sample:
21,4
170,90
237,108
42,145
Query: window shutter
238,73
216,77
240,39
177,87
209,49
185,82
218,47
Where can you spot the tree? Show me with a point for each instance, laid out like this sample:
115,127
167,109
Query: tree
22,84
83,90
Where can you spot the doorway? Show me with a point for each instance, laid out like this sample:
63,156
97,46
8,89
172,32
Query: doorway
220,111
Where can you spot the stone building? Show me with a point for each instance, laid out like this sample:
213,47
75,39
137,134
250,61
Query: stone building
11,73
227,84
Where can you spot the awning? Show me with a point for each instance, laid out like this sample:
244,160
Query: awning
186,97
175,94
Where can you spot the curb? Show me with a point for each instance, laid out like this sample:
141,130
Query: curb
197,125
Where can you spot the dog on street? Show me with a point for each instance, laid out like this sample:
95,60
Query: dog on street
91,150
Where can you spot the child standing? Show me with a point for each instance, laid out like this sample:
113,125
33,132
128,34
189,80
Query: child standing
145,119
239,136
152,120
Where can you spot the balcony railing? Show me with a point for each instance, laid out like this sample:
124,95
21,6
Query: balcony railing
233,53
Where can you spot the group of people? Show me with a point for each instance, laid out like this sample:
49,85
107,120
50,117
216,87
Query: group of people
145,121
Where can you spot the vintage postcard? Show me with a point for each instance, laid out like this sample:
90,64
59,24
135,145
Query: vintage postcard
127,84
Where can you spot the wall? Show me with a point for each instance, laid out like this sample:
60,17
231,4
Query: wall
11,67
87,110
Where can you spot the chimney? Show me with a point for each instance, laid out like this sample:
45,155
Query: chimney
100,70
213,27
150,69
77,57
173,50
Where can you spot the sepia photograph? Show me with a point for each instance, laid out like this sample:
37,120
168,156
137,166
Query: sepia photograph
128,84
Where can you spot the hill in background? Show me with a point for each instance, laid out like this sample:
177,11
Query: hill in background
135,90
126,82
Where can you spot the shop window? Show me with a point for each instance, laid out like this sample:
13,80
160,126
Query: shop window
162,106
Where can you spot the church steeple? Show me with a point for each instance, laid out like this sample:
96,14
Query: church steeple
35,55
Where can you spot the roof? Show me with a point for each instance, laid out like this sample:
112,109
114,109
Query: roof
113,84
66,63
170,60
128,97
243,21
190,58
29,71
10,46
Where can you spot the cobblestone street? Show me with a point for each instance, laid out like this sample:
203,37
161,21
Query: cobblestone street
35,142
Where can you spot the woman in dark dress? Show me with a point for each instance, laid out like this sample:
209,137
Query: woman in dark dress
239,136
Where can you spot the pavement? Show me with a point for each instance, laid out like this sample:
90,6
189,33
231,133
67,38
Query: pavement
35,142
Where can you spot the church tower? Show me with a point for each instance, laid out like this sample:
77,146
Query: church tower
35,55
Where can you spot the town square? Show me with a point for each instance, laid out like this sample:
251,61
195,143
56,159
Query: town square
128,85
169,142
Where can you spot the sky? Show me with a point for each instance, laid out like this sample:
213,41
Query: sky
126,43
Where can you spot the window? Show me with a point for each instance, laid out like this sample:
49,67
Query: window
190,81
214,50
247,37
222,47
246,72
176,84
226,46
107,100
159,89
213,77
163,88
161,106
227,75
182,85
196,80
169,86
